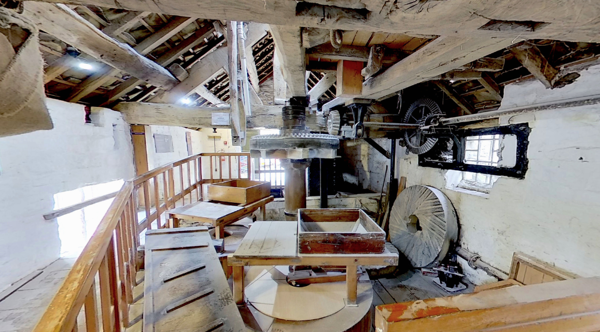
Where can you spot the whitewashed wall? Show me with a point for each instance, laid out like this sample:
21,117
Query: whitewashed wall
554,213
37,165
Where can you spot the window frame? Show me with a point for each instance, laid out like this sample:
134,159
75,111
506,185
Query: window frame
521,131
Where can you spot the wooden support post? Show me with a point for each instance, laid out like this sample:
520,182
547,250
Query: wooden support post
349,79
351,284
238,284
465,107
91,319
140,151
291,54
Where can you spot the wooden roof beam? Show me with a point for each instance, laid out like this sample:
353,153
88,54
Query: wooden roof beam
321,87
353,53
461,17
102,76
533,60
199,74
166,59
124,23
264,116
65,24
444,54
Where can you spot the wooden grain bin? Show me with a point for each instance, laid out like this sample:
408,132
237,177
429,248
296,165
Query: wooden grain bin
338,231
240,191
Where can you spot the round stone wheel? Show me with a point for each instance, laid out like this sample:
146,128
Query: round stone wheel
423,224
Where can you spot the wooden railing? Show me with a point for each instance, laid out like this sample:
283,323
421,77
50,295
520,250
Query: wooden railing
98,290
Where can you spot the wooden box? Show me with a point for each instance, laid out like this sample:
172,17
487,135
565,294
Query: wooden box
240,191
338,231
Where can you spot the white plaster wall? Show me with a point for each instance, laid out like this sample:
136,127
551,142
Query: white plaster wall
37,165
554,213
366,163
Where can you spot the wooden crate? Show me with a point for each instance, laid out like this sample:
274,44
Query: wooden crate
338,231
240,191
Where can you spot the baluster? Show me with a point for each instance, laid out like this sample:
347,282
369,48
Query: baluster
105,303
229,164
147,204
114,285
91,318
121,259
172,187
157,202
165,192
181,182
189,171
220,169
211,168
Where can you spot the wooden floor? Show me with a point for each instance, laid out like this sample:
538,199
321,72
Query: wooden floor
21,310
406,287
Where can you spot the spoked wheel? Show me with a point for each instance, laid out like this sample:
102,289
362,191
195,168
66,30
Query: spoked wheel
421,112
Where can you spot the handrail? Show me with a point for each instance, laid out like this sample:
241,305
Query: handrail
110,253
79,280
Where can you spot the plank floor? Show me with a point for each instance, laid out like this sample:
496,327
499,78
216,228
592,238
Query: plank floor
20,311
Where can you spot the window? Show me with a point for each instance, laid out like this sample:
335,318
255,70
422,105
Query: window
481,150
76,228
270,169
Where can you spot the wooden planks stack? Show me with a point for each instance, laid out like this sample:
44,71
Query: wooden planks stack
185,288
569,305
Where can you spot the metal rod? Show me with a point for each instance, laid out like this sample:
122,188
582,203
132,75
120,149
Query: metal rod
475,262
574,102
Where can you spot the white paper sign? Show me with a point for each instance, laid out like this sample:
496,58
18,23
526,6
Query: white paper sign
220,119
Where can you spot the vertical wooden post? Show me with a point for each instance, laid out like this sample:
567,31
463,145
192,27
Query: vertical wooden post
147,204
115,288
91,319
172,187
352,284
181,183
138,136
238,284
105,303
157,202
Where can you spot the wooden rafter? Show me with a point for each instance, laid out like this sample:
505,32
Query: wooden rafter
103,75
165,60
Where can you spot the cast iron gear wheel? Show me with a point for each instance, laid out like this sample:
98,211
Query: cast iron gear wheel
420,112
333,123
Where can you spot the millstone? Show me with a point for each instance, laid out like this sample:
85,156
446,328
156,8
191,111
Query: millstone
423,224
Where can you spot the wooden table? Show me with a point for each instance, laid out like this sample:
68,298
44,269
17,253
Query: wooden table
217,214
276,243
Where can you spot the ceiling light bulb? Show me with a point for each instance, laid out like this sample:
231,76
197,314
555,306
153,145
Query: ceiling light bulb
186,101
85,66
451,81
